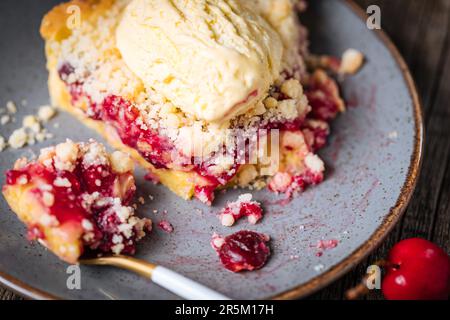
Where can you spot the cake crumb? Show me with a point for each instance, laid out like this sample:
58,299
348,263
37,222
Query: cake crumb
243,207
31,122
352,60
5,119
11,107
292,88
393,135
18,138
121,162
2,144
319,268
45,113
31,130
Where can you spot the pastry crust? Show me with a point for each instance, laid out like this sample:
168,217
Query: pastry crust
55,25
64,240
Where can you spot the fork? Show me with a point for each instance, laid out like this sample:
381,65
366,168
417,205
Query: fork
168,279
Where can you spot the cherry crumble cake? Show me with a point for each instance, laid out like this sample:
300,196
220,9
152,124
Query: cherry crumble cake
167,81
76,196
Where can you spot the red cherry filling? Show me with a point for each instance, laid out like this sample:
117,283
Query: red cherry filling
244,250
156,149
34,232
15,177
205,194
316,133
284,182
84,196
165,226
417,270
323,96
97,179
124,117
66,206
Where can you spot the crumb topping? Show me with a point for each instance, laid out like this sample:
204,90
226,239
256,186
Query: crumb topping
121,162
76,182
243,207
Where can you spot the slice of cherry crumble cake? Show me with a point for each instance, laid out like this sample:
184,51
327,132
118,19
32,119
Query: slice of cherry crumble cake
76,196
180,90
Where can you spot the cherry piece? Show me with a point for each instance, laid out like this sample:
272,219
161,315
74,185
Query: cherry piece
417,270
244,250
166,226
243,207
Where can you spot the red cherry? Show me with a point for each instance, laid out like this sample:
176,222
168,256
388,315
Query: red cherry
417,270
244,250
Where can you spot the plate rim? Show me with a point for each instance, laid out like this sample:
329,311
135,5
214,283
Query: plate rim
397,211
362,251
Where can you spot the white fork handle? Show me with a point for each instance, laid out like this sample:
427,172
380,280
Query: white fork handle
184,287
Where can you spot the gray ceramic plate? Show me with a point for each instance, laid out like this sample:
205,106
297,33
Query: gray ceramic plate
373,160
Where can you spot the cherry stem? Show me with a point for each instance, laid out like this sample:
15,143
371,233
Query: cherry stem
361,289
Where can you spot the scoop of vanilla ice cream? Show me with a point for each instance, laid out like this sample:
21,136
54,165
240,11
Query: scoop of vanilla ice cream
214,59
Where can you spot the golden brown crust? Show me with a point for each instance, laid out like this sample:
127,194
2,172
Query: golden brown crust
30,212
55,24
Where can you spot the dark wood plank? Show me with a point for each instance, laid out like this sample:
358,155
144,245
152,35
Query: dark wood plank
8,295
440,129
441,230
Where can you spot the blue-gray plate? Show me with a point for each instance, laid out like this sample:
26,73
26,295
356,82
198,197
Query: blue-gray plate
373,159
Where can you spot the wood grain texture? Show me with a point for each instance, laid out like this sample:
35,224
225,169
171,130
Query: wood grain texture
420,29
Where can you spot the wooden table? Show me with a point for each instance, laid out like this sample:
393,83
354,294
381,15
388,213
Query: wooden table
421,30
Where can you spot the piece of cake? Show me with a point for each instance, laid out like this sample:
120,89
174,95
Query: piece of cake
76,196
204,94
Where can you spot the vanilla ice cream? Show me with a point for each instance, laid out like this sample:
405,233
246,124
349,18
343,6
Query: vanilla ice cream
214,59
